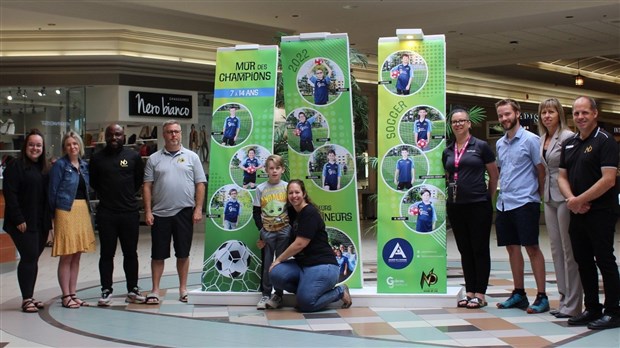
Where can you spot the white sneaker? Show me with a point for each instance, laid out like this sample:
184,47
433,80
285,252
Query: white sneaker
135,296
262,304
274,302
106,298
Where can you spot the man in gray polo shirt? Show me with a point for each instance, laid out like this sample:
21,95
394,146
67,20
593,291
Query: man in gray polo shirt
174,191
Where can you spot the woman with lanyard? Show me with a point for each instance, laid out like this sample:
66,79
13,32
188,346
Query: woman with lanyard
469,207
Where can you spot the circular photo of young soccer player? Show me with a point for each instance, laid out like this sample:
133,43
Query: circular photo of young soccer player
232,124
320,81
306,128
402,166
230,207
247,167
345,252
403,73
424,126
331,167
425,208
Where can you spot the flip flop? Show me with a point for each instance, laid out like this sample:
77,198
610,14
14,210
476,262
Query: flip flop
152,299
183,297
463,302
476,303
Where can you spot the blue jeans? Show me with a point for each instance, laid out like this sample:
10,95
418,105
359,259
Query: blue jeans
313,285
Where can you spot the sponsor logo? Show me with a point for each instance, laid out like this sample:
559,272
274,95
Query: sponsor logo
429,279
397,253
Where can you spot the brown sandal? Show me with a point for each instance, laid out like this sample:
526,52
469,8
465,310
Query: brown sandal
70,303
346,297
29,306
78,301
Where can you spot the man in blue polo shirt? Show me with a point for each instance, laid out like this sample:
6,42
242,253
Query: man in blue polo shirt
518,205
587,177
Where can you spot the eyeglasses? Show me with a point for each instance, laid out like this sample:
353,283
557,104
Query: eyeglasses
176,132
459,122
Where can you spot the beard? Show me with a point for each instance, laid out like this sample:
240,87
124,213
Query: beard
511,125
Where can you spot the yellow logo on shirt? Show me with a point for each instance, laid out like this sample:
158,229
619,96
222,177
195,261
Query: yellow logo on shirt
181,160
588,149
124,163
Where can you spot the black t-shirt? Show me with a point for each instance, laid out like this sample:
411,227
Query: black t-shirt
471,185
583,160
116,176
310,225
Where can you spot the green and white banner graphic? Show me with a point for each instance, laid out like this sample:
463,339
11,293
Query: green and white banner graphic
411,237
241,140
319,125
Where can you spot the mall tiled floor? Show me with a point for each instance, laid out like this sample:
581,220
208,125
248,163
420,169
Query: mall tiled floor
174,324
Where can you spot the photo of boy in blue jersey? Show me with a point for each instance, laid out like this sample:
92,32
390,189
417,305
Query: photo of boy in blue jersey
304,130
250,166
404,175
331,172
422,129
403,73
231,128
232,210
319,79
425,212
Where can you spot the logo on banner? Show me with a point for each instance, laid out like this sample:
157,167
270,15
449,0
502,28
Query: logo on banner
429,279
397,253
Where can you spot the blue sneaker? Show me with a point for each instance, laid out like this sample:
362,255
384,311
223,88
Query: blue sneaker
540,305
516,301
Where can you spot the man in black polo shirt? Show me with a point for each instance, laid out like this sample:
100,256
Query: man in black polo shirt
587,178
116,174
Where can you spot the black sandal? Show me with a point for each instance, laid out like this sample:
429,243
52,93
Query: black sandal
39,304
29,306
69,303
463,302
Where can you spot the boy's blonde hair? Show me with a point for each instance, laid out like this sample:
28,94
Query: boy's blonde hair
276,159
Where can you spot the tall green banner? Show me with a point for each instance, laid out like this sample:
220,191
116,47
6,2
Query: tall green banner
411,214
319,125
241,140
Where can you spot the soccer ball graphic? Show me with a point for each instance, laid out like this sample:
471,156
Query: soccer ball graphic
252,169
232,259
394,74
422,143
297,132
413,210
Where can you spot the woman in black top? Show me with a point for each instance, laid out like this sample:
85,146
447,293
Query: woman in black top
469,206
26,215
313,274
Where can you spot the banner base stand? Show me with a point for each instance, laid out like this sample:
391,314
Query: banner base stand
365,297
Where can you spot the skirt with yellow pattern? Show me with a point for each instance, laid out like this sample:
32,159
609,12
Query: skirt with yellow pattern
73,230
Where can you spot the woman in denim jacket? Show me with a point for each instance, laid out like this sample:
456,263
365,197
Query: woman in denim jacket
73,229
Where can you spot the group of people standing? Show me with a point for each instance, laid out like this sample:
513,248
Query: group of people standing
39,198
573,174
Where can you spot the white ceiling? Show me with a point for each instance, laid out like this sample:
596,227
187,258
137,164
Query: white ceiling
529,40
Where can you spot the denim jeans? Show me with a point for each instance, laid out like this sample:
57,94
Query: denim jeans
313,285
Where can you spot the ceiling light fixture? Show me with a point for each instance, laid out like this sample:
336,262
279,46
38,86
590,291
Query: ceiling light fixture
57,90
41,92
578,78
10,96
409,34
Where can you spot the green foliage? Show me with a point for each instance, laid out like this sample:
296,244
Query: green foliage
476,113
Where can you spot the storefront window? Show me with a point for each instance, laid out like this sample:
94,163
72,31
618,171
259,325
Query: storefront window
52,109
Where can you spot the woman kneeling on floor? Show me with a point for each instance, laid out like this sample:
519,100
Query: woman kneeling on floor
313,274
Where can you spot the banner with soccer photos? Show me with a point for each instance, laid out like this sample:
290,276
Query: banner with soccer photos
319,125
241,141
411,227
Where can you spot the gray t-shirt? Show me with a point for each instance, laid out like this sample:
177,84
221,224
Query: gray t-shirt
174,179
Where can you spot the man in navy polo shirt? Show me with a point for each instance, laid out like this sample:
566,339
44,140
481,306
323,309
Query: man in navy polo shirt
588,166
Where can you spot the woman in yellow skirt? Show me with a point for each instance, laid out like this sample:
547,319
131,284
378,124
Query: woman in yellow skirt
73,228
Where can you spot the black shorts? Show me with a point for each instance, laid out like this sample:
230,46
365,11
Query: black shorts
403,185
402,91
249,179
179,228
518,226
306,145
228,141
